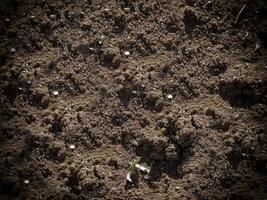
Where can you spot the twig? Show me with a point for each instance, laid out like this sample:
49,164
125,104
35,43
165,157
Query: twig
240,13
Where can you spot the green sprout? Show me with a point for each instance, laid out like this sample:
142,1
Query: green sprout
132,164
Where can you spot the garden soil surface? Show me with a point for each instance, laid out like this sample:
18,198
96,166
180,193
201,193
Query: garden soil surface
90,88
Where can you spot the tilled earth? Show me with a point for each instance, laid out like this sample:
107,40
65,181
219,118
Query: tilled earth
89,87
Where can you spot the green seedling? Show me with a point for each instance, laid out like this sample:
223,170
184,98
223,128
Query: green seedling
133,163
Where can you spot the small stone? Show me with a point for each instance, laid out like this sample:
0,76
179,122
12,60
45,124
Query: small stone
52,16
55,93
236,116
142,168
82,14
126,53
169,96
72,146
7,20
106,9
13,50
32,17
177,188
127,9
128,177
26,181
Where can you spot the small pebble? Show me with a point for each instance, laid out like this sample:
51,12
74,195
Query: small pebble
52,16
26,181
169,96
177,188
7,20
106,9
55,93
72,146
126,53
127,9
13,50
32,17
236,116
128,177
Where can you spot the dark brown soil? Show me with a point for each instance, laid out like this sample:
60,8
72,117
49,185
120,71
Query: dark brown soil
189,100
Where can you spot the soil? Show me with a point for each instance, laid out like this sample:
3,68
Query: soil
89,87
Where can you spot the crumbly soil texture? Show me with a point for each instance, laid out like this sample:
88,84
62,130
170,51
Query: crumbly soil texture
90,88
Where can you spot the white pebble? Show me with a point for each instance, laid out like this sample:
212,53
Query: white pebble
169,96
106,9
126,53
142,168
72,146
7,20
26,181
128,177
55,93
52,16
32,17
13,50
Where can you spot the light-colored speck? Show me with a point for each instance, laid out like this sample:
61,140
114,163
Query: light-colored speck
142,168
106,9
169,96
128,177
13,50
26,181
126,53
55,93
72,146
